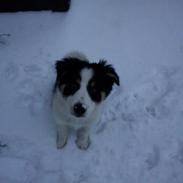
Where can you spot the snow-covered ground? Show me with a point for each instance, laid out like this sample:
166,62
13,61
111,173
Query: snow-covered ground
139,138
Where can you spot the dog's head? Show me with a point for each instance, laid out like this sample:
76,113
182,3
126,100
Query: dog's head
83,85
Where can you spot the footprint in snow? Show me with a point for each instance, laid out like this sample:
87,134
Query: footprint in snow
10,71
19,161
4,40
32,93
153,158
32,70
16,169
179,154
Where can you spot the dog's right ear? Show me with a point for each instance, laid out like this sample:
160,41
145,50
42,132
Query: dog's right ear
60,67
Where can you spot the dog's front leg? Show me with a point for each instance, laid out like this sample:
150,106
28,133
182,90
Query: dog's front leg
62,135
83,139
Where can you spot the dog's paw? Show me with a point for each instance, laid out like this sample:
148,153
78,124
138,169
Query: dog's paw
61,142
60,146
83,143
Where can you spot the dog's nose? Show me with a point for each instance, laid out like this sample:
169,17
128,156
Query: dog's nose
79,109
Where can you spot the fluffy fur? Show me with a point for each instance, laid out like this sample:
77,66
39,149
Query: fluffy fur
80,90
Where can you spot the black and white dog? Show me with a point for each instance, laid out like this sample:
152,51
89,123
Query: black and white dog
80,90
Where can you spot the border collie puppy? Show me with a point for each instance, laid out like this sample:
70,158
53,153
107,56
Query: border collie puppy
80,90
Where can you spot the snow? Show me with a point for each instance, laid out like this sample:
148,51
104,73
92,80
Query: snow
139,137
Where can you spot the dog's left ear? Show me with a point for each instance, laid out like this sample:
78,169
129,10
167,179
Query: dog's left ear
110,72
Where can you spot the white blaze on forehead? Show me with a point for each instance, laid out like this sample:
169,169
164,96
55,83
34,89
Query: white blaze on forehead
86,75
82,94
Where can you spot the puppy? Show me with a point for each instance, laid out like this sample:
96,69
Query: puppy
80,90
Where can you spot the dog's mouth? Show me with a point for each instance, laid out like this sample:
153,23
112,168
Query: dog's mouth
77,115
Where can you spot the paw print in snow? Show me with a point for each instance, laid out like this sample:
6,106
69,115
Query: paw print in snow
153,158
32,70
10,72
179,154
151,110
30,96
3,39
19,162
16,169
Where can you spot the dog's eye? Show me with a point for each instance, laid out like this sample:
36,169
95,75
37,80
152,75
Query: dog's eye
73,86
94,92
95,95
70,89
93,87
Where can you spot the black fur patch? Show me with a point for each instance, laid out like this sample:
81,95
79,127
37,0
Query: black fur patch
103,79
68,77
